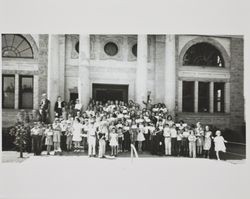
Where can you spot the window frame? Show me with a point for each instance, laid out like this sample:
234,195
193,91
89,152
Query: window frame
23,40
3,76
193,100
219,53
215,101
20,91
201,98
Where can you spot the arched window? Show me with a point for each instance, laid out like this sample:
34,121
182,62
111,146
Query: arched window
16,46
203,54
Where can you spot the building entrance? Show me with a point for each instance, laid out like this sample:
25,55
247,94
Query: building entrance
105,92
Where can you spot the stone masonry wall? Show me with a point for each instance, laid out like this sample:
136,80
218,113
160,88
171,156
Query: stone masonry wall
236,84
42,64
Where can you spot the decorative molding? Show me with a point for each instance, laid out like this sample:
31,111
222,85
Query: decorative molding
73,90
118,40
74,39
131,42
212,41
92,46
206,75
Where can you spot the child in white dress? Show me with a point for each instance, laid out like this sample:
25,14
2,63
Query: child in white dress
49,138
77,134
207,142
140,137
219,144
113,142
69,134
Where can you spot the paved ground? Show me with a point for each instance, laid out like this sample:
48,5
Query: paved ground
152,177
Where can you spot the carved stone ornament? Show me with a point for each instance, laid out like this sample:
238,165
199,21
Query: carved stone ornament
74,39
118,40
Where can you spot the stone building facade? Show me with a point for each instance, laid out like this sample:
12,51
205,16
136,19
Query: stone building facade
198,77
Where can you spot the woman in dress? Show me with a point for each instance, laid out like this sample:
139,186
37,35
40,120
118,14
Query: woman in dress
207,142
77,132
219,144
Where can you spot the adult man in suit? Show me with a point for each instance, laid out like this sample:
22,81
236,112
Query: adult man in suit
44,108
59,105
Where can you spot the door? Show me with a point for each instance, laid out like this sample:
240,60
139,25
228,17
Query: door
105,92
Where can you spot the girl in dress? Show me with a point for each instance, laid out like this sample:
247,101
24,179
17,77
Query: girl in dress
49,138
77,133
69,135
113,142
219,144
140,137
207,142
200,138
133,132
120,138
126,136
57,135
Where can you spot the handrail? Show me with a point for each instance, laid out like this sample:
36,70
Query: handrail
239,143
133,150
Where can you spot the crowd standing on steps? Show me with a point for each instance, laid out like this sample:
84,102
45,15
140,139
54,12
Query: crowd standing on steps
110,128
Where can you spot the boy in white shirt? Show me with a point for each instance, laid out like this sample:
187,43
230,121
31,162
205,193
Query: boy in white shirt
173,134
167,136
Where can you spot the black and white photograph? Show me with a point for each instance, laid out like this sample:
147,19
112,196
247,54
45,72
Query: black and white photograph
104,114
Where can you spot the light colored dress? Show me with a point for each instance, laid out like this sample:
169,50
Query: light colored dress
219,144
113,139
207,140
140,136
49,137
77,132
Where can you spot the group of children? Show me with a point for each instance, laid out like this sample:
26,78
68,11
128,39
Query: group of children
114,126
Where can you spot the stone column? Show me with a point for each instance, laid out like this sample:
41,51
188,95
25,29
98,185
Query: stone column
211,97
227,97
16,101
196,95
141,70
83,72
180,95
36,91
56,69
170,74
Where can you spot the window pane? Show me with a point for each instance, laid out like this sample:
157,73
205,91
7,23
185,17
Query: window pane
203,54
203,97
14,45
188,97
219,91
8,94
26,92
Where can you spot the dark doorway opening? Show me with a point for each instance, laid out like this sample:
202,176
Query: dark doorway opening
105,92
73,97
